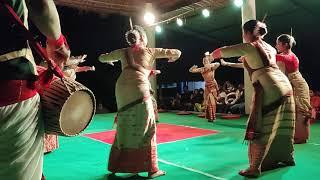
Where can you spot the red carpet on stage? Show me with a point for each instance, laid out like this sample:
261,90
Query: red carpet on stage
165,133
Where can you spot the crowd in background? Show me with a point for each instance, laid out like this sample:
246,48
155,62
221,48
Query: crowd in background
315,104
230,100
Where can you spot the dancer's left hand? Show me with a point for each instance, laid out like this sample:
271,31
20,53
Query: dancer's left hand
241,59
157,72
223,63
172,59
193,67
110,63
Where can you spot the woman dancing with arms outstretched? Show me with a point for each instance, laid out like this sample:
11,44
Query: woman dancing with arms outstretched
271,122
135,149
211,86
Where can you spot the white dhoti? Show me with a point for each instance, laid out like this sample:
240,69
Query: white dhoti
21,140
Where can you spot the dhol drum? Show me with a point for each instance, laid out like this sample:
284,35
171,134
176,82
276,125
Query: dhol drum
68,107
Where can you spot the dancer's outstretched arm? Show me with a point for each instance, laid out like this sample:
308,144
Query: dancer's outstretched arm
171,54
111,57
76,60
85,68
233,65
195,69
232,51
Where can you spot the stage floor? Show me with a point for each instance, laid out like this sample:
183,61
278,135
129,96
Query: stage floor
189,148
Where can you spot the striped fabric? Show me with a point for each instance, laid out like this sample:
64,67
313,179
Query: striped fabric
303,106
21,140
274,140
134,149
210,100
210,112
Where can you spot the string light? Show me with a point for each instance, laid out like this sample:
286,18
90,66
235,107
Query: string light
238,3
158,29
149,17
179,22
205,13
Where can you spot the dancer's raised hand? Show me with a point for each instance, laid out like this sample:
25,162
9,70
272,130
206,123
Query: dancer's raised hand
176,54
241,59
75,60
172,59
157,72
193,67
110,63
223,63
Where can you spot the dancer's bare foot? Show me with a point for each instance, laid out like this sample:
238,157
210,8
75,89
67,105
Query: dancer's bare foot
152,175
250,173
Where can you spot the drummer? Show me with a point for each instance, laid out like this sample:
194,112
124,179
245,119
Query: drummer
21,150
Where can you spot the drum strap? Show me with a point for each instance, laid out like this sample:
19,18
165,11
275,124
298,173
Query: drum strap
45,77
16,21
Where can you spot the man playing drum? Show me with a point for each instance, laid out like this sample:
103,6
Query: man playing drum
21,137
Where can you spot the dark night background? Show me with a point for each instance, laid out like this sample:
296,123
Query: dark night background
93,34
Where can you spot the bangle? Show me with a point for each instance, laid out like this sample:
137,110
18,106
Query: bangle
58,43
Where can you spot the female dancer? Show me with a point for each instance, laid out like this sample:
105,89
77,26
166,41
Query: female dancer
270,126
134,149
300,87
211,86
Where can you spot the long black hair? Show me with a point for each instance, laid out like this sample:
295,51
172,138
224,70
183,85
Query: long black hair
255,27
287,39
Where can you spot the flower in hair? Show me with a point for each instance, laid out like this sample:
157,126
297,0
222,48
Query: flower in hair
260,25
292,40
135,33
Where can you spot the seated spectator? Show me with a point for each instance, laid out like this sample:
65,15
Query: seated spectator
176,102
199,107
228,87
197,101
237,105
201,91
221,101
315,104
195,97
186,104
